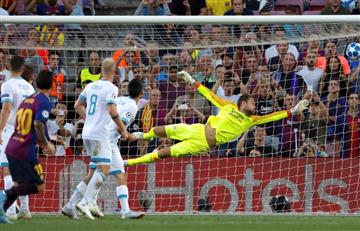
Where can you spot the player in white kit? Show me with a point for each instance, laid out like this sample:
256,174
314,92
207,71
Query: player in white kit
100,99
13,92
127,109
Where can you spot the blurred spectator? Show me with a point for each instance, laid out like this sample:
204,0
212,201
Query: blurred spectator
250,69
28,74
242,52
170,89
333,71
32,57
255,147
188,7
33,42
184,113
311,74
334,7
51,35
286,77
239,8
225,88
336,105
260,5
313,122
78,143
351,127
8,5
275,53
60,133
91,73
228,60
356,10
128,43
194,99
167,35
288,129
4,72
265,102
293,30
330,51
153,7
217,51
151,115
150,57
58,75
313,45
311,148
125,72
48,7
204,71
218,7
74,30
3,12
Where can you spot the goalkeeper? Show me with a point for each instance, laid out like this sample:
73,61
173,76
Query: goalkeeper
229,124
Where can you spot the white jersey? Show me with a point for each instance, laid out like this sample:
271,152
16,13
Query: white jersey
15,90
311,77
127,109
97,96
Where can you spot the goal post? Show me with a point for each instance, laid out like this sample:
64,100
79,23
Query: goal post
313,159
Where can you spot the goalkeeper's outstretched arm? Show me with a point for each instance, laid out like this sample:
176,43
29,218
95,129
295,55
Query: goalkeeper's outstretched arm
204,91
299,108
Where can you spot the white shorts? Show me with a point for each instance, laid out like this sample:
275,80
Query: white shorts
117,163
5,138
99,151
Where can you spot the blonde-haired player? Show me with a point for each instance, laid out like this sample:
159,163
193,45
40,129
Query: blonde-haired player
229,124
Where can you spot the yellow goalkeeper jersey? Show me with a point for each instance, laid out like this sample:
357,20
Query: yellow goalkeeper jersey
230,123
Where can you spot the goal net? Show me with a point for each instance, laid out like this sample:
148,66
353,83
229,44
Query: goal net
312,158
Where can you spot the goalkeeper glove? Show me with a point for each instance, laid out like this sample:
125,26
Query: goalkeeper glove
186,77
300,107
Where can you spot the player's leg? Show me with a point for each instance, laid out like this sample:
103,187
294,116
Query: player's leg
122,192
100,152
195,143
69,209
173,131
8,181
27,177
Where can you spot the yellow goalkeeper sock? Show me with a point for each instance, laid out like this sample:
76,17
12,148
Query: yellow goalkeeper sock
149,135
147,158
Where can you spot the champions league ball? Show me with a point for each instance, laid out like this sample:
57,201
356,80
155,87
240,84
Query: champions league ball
353,51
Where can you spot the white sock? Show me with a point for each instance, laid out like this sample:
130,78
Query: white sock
96,195
77,195
122,193
8,184
95,183
24,202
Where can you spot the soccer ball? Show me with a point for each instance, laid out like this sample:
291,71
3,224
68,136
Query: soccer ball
353,51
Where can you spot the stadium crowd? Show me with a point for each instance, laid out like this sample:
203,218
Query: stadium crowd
277,73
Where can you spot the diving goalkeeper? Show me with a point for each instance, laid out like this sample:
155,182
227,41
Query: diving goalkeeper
229,124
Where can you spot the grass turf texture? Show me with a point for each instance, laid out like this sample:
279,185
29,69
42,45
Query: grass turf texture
196,222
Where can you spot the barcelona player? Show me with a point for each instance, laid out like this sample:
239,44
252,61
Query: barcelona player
230,123
21,151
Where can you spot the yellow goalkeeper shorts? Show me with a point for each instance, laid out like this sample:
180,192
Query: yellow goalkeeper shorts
192,136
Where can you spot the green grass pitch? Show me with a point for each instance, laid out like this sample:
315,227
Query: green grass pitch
188,222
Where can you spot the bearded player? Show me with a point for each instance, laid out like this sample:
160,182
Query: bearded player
229,124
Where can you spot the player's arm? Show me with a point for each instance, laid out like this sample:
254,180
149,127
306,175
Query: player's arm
79,105
41,117
112,109
275,116
7,105
204,91
5,114
46,145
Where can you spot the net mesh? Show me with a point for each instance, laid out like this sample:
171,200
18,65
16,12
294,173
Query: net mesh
311,158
